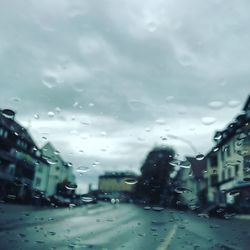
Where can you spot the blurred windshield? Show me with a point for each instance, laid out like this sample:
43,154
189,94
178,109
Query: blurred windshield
124,124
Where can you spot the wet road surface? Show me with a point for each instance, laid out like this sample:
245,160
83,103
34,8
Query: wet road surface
123,226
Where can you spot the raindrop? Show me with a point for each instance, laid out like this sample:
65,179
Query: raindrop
218,136
36,116
8,113
70,187
130,181
51,114
72,205
39,242
87,199
44,138
216,105
185,164
234,193
22,235
157,208
203,215
233,103
50,160
78,87
75,104
181,190
56,152
175,163
16,99
112,201
185,60
160,121
58,110
136,105
82,170
151,26
147,208
242,136
208,120
91,104
103,133
199,157
215,149
50,81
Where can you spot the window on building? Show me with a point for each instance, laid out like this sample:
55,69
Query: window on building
38,181
229,173
40,169
223,175
237,170
214,160
228,150
222,155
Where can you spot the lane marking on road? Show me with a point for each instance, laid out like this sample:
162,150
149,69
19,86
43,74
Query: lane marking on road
168,239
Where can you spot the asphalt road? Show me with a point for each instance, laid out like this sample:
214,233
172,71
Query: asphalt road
123,226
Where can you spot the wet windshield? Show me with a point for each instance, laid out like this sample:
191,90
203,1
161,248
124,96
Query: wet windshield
124,124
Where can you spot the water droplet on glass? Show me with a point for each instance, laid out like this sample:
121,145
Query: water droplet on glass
151,26
82,170
181,190
51,114
70,186
50,81
58,110
157,208
185,60
16,99
130,181
208,120
215,149
78,87
216,105
203,215
160,121
185,164
233,103
234,193
87,199
199,157
36,116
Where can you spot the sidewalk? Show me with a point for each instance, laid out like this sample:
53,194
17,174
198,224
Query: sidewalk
242,216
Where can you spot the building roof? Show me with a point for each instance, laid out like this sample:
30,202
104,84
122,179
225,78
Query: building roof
223,136
118,175
12,125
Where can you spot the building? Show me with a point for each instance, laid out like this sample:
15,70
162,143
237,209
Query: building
192,179
117,182
228,165
59,171
18,158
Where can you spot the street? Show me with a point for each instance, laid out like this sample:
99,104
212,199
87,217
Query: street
119,226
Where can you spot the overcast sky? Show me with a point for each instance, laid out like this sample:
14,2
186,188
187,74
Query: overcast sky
107,80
